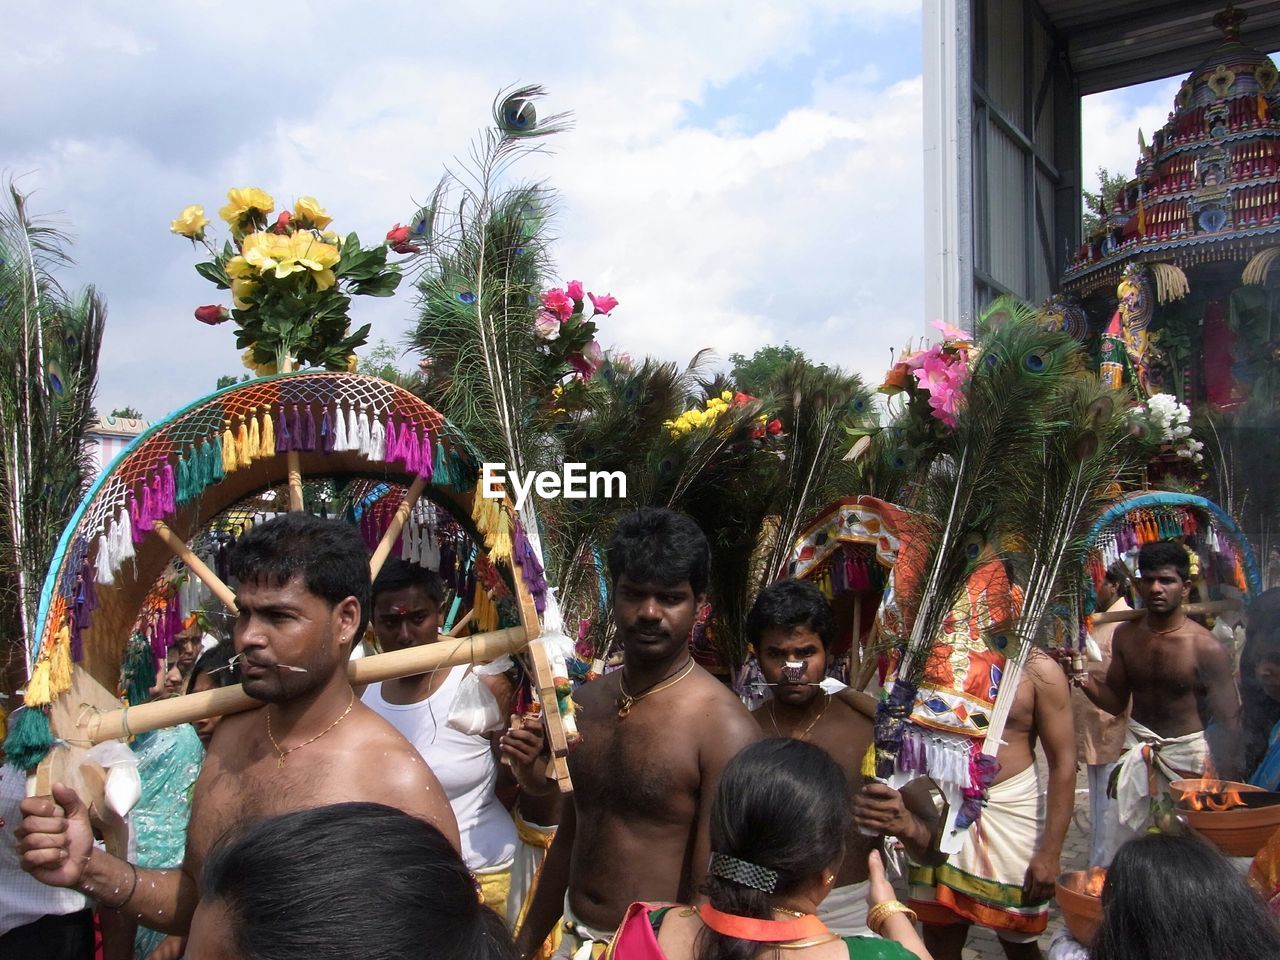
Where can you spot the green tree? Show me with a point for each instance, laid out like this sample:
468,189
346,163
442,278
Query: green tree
127,413
229,379
1112,184
753,374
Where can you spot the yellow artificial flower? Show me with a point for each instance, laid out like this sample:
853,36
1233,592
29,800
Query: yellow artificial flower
726,396
238,268
353,363
270,251
261,369
241,291
310,252
308,212
243,202
190,223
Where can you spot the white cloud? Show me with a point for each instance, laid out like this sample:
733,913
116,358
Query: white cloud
1109,125
807,229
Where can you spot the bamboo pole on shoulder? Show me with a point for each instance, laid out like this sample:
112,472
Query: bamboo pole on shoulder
479,648
1211,606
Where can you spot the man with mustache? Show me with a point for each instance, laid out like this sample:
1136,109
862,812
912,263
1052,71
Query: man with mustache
655,737
303,599
792,628
1176,678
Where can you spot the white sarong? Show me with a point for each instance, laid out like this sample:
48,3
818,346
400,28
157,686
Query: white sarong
1148,765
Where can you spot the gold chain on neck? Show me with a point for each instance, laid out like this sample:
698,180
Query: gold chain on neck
281,754
627,700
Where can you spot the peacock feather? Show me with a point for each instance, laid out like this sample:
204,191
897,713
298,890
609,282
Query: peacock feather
49,342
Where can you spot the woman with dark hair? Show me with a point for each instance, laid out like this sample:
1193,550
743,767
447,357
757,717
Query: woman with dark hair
213,669
1176,896
347,880
777,839
1260,691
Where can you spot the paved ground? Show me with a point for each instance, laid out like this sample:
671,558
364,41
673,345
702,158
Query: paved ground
1075,856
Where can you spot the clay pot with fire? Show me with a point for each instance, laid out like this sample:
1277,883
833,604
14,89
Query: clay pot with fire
1235,817
1079,895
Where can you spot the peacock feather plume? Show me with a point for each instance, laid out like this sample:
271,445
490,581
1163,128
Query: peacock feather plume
49,342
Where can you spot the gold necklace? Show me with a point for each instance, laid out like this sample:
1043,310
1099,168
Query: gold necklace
281,754
627,701
812,723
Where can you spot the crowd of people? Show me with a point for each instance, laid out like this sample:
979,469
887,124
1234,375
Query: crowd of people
390,822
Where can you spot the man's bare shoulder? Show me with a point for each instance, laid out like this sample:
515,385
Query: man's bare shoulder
1045,672
596,692
848,715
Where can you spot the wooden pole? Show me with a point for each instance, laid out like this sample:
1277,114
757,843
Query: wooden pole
291,459
1212,606
395,526
196,565
481,648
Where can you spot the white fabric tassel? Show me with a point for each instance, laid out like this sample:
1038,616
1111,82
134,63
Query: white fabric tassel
339,430
102,562
353,429
124,540
377,440
364,439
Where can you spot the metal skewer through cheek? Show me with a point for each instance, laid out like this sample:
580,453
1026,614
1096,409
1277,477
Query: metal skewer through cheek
236,660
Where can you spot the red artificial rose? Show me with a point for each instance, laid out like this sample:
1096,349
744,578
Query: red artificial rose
212,314
282,222
557,302
775,427
398,240
574,289
742,399
603,304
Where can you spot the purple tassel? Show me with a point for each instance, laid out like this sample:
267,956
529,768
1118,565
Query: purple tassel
531,571
425,466
295,429
392,453
326,432
135,515
411,450
408,441
284,438
170,491
308,429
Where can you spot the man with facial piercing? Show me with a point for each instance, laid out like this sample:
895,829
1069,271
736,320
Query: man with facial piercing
791,628
303,601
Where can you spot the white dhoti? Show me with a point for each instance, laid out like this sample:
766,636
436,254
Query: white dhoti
1148,765
844,911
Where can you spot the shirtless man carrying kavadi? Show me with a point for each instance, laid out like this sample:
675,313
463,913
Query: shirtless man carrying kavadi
303,600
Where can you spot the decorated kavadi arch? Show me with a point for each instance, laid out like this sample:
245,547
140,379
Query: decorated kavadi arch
128,549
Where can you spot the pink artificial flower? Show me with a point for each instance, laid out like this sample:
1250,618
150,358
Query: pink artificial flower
943,379
558,302
212,314
547,326
602,304
574,289
586,363
282,222
952,334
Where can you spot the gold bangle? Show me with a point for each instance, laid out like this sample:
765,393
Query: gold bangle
882,911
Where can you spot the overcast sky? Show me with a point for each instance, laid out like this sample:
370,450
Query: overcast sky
740,173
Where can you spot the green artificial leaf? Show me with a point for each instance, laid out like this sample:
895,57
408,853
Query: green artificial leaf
215,273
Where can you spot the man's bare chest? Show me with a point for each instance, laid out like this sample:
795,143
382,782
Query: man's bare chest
634,764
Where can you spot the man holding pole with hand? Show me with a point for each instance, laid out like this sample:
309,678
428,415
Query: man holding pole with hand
303,601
